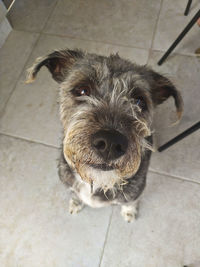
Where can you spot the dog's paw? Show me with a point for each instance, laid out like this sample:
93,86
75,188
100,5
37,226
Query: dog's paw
129,213
75,206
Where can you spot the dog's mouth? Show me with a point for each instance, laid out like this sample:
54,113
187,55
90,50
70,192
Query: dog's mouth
102,167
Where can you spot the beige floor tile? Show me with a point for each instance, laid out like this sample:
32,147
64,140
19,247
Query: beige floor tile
182,159
30,15
48,43
13,54
119,22
35,227
32,111
166,232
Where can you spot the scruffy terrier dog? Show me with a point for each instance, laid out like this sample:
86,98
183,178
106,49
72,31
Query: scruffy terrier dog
106,108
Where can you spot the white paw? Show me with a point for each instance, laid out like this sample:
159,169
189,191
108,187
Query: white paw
129,213
75,206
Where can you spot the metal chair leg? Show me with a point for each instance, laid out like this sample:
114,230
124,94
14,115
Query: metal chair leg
179,137
188,7
180,37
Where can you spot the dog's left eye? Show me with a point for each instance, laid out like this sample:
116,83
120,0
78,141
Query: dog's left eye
141,103
82,91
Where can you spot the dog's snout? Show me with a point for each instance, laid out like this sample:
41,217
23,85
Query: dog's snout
109,144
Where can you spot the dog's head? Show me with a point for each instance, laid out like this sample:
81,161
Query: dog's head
106,108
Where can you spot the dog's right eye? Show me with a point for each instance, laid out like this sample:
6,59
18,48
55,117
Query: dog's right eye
141,103
82,91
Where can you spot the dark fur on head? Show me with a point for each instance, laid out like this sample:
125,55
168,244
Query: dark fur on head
106,93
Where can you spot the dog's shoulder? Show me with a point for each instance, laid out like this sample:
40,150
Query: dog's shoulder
65,172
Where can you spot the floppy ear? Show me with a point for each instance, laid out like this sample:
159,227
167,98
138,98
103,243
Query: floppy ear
162,88
58,63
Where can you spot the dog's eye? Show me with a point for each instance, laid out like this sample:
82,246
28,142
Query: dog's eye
82,91
141,103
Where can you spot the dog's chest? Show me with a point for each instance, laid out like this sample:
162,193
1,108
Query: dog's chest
83,190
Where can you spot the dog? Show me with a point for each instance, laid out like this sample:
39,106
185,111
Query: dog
106,109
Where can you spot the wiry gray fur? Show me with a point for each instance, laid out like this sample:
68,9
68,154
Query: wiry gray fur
115,87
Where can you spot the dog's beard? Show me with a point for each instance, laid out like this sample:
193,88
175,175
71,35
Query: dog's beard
98,178
111,178
107,177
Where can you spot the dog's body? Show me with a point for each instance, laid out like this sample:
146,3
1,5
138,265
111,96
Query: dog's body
106,107
126,196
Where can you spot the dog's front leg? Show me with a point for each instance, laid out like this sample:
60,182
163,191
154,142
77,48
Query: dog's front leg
75,204
129,211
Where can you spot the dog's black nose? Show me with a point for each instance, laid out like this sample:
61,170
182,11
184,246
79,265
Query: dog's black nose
109,144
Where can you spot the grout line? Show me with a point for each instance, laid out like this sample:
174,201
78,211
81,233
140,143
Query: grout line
26,61
95,41
20,74
82,39
106,237
53,8
155,29
28,140
174,176
177,53
23,30
106,43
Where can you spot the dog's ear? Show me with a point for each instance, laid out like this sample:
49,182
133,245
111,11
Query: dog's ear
58,63
162,88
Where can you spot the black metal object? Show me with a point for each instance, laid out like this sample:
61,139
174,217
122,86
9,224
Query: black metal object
188,7
179,137
180,37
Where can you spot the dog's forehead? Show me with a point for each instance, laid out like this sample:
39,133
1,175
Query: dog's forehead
108,69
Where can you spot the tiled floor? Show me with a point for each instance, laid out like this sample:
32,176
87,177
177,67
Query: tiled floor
35,227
